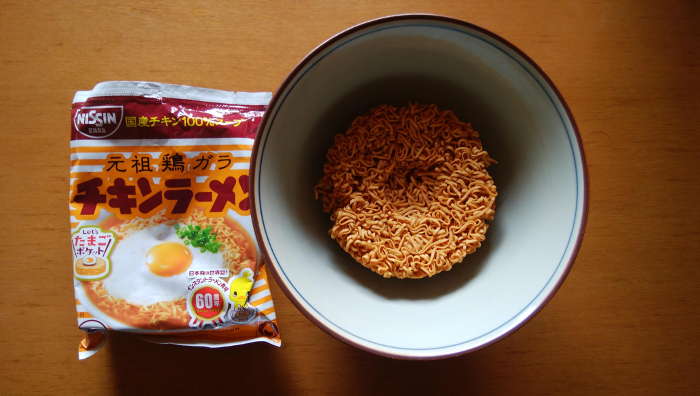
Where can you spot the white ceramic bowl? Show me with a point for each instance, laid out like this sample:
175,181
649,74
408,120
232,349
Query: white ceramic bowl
524,124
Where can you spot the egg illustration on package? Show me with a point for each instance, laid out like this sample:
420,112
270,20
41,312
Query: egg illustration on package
152,266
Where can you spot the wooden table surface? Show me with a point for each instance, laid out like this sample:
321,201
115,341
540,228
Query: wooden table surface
626,320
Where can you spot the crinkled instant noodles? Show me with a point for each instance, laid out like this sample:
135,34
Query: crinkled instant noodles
408,190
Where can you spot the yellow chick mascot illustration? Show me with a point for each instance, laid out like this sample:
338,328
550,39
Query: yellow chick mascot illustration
240,288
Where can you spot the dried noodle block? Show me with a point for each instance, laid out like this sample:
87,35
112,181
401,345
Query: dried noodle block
408,190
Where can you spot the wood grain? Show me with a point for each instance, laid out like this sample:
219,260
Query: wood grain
625,321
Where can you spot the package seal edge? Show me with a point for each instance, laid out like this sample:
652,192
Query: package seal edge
161,90
156,340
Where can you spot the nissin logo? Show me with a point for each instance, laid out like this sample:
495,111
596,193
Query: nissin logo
98,121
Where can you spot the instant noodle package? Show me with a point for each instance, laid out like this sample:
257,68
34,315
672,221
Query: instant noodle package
161,234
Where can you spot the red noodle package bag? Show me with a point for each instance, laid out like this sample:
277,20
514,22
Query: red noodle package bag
161,235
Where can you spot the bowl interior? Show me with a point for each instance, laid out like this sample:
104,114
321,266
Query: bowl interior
539,177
